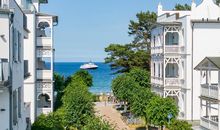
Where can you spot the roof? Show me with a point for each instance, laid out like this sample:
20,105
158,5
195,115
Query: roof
55,18
209,63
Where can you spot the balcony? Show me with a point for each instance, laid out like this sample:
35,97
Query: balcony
44,52
157,50
43,110
157,81
174,82
210,91
209,124
44,74
44,86
174,49
4,72
4,4
44,41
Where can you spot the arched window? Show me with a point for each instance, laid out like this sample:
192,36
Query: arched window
44,101
43,29
172,38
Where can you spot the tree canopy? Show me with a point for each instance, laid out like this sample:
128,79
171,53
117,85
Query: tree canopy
182,7
124,57
158,110
180,125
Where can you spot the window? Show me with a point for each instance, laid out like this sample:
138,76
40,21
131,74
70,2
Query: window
15,45
159,70
14,98
44,101
154,69
19,102
154,41
19,47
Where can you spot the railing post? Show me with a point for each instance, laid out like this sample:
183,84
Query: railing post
1,71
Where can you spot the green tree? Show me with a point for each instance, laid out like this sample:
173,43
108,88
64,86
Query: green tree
59,88
48,122
158,110
182,7
77,104
142,97
81,74
123,87
58,82
141,29
180,125
125,57
97,124
141,76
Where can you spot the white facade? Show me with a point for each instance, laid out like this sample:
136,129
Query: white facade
39,51
26,63
210,92
13,31
180,40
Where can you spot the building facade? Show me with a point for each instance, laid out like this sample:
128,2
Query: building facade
12,66
39,50
180,40
209,69
26,63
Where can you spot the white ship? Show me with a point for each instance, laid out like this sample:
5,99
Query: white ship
89,65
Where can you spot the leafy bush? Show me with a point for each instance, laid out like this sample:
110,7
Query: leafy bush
180,125
158,110
97,124
48,122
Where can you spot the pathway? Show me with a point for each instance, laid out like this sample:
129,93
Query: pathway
111,115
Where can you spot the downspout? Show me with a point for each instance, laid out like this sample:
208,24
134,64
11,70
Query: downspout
192,72
11,17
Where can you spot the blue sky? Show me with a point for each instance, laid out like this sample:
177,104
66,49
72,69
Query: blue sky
86,27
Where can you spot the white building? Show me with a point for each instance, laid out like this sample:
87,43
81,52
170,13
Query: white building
180,40
39,51
26,63
13,30
210,92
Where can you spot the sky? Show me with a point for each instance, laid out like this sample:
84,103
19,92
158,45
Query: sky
86,27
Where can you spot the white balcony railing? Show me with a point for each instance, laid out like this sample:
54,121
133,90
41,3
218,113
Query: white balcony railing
157,50
44,41
43,110
174,49
174,82
44,86
44,74
4,71
210,90
208,124
4,4
41,52
156,80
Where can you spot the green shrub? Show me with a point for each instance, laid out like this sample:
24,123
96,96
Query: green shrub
180,125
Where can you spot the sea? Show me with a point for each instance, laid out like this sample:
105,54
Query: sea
102,76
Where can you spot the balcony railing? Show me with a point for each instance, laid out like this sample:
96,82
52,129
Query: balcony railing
4,72
174,49
174,82
209,124
156,80
157,50
44,74
4,4
44,41
210,90
43,110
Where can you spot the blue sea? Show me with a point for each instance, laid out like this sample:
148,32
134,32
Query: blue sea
102,76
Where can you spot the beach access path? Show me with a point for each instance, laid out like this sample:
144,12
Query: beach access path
108,113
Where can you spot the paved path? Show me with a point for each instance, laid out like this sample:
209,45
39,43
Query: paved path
111,115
